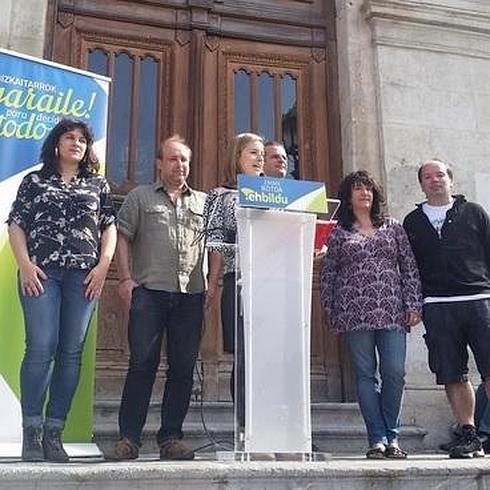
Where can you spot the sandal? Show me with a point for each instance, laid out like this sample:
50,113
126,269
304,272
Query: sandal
376,452
394,452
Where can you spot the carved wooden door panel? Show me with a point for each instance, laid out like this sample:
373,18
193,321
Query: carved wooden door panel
175,69
144,66
279,92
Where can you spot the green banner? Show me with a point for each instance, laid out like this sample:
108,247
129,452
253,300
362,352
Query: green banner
34,95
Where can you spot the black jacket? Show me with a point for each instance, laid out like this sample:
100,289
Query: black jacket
458,262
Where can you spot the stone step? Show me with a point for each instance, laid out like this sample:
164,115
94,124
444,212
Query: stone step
336,440
337,427
222,413
337,473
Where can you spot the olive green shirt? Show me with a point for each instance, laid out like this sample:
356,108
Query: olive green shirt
166,238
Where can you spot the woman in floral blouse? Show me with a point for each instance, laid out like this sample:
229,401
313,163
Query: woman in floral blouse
63,236
370,289
247,157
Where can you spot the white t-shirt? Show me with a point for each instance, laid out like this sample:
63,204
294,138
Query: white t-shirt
437,214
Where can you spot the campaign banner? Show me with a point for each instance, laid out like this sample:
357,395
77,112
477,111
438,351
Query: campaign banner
34,95
275,193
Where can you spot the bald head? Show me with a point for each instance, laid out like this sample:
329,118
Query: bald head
435,161
436,181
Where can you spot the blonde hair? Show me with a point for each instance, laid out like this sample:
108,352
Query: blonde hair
232,168
176,138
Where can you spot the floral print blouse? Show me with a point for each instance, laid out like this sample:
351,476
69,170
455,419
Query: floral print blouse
370,282
220,224
62,221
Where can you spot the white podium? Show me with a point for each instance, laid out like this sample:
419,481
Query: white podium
276,266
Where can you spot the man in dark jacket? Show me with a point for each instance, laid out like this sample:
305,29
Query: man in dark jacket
450,238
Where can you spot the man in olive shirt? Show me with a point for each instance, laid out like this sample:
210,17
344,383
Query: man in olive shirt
160,256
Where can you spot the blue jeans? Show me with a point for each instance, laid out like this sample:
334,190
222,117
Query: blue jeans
152,314
56,324
379,391
482,410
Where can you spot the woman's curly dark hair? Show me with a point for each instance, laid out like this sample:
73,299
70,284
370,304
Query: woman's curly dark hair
345,214
89,164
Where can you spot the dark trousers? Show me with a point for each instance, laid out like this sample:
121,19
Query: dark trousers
229,318
152,314
482,410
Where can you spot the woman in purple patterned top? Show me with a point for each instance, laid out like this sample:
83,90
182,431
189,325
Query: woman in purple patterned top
370,289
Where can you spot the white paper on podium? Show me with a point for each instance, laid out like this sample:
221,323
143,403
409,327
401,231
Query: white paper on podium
276,263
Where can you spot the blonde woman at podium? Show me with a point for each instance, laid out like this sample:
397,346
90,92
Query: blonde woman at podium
370,289
246,157
63,236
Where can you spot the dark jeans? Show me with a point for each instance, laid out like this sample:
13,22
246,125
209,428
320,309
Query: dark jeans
153,313
229,319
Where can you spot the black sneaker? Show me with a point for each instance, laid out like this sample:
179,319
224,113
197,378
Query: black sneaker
486,446
485,442
457,434
449,446
470,445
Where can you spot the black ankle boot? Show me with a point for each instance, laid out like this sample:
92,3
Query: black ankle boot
53,447
32,449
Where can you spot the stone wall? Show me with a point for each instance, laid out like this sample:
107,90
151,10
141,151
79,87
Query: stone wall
414,83
22,26
361,143
433,66
414,78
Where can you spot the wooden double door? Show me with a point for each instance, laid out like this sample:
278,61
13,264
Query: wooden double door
207,70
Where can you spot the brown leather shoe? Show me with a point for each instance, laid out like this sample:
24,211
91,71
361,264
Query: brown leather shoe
123,450
175,449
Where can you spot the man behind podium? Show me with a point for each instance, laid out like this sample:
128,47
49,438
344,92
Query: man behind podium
160,228
275,160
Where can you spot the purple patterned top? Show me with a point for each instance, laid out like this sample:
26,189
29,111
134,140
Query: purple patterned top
370,282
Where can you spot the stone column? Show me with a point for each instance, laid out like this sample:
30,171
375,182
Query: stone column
361,143
22,26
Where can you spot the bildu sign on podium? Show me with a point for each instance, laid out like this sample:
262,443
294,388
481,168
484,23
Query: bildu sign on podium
276,228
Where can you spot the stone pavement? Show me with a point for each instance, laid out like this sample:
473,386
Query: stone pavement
339,472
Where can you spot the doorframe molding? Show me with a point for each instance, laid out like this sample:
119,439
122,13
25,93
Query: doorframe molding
236,19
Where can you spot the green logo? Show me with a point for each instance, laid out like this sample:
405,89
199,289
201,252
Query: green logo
247,192
264,197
